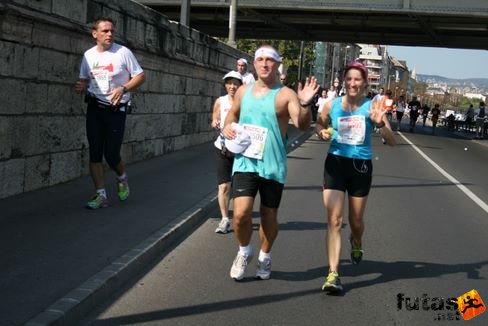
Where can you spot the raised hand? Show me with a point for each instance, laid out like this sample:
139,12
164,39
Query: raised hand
376,113
306,92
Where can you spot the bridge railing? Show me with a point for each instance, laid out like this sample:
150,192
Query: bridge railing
476,7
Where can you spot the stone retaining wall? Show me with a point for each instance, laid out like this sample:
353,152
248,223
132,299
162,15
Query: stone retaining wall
42,121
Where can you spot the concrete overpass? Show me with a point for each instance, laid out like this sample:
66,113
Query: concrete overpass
435,23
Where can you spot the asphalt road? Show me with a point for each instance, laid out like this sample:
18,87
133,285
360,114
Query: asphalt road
425,242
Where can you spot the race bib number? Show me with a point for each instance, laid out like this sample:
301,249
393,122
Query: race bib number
351,130
102,80
258,140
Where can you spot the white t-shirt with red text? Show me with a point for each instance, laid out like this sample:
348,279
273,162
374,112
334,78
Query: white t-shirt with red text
108,70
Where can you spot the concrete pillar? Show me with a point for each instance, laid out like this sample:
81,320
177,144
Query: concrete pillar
232,23
185,12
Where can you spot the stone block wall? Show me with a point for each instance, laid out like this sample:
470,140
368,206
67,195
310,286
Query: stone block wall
42,121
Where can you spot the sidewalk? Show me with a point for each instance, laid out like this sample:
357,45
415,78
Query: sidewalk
59,260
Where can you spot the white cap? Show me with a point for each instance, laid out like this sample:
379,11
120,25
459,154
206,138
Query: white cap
241,142
233,74
243,61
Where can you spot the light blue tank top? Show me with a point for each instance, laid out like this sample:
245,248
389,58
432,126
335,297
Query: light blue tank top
262,112
361,151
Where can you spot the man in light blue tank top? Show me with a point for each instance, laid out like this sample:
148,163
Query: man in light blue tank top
263,109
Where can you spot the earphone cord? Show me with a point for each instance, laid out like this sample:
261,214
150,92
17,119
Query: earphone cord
364,167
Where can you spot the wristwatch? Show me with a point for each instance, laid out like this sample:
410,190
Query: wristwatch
124,89
381,125
306,104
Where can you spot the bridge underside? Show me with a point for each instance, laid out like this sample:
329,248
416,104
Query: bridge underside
389,27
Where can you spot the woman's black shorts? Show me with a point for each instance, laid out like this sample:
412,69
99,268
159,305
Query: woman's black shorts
224,163
347,174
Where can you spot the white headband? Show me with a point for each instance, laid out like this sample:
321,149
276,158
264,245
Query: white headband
267,53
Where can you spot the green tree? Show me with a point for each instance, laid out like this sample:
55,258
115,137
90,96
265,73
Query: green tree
464,103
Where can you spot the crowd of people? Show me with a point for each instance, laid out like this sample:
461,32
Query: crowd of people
252,119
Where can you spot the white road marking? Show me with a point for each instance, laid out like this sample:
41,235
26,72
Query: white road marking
458,184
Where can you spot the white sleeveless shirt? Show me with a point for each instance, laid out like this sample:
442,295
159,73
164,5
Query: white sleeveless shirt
224,109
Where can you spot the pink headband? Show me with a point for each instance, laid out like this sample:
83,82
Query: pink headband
357,65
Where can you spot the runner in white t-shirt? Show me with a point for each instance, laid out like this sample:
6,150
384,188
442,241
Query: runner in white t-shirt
321,101
331,93
400,110
108,73
327,95
378,97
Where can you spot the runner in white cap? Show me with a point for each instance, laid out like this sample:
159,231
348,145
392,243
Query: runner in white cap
223,158
264,109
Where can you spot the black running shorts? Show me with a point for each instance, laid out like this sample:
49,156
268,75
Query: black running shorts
248,184
224,165
347,174
105,132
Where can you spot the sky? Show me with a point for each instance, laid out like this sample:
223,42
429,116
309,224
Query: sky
450,63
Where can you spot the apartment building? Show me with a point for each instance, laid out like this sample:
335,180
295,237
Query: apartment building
372,57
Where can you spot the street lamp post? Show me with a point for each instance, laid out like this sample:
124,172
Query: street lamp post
232,23
332,73
300,66
185,13
345,55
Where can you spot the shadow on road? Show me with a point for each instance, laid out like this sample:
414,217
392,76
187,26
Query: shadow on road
201,308
403,270
389,271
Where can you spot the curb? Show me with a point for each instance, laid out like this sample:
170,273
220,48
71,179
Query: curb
76,304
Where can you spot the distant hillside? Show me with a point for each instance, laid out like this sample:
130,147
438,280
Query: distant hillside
476,82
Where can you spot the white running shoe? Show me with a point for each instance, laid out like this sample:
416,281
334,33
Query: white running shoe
264,269
224,226
239,266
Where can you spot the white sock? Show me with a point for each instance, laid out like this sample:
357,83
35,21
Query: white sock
247,250
226,219
264,255
102,192
122,177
